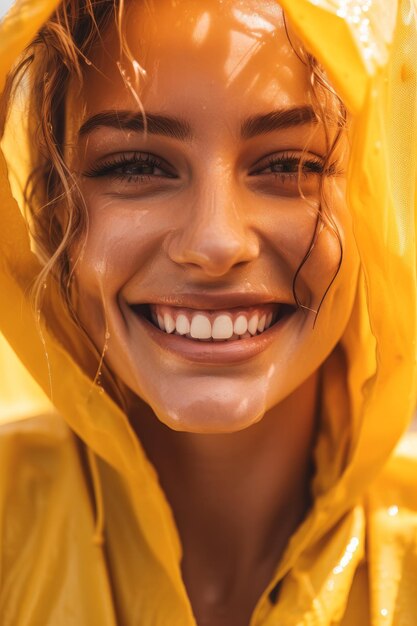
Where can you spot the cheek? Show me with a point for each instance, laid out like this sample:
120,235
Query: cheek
319,244
305,245
119,244
332,270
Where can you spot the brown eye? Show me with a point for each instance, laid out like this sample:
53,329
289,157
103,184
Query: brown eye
132,167
139,169
285,167
289,165
288,174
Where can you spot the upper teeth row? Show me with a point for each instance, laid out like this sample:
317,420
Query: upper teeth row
219,327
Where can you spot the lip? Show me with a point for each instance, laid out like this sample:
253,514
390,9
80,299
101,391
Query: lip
216,301
213,353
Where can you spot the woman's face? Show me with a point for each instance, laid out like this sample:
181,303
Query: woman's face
197,227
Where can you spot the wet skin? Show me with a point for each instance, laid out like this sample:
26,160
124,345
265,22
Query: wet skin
203,215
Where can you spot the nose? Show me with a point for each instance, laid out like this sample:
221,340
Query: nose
215,235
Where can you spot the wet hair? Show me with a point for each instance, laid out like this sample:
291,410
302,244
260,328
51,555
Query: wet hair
55,210
324,97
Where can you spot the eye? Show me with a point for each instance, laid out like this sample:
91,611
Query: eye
134,167
290,174
288,165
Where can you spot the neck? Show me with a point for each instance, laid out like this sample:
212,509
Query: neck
236,498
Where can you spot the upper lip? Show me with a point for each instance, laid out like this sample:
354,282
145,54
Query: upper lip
214,301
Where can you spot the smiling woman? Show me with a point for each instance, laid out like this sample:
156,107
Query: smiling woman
210,200
199,200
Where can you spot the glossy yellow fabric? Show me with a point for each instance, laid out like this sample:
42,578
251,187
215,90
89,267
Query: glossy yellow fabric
108,552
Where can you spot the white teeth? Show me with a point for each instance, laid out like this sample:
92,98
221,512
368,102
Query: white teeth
161,322
200,327
222,327
182,324
241,325
218,328
261,323
253,324
169,323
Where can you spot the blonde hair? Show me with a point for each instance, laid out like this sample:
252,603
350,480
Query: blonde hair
55,208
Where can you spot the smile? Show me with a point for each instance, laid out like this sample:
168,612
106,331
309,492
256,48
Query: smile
210,336
221,325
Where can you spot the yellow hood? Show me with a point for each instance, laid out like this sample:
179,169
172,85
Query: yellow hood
369,49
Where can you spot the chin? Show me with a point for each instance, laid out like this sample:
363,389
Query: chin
210,414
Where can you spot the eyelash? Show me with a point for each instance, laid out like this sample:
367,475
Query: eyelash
114,167
311,165
110,168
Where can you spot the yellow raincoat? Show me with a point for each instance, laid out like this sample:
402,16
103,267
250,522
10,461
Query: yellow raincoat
90,541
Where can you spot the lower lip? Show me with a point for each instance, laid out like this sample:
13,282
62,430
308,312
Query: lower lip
221,353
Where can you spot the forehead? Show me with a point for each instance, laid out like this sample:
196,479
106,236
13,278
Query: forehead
206,50
212,55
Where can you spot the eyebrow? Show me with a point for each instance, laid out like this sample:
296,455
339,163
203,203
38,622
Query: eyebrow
278,120
177,128
136,122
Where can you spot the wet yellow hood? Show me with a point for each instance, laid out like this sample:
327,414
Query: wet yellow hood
369,49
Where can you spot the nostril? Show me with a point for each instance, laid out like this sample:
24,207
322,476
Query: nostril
213,251
214,265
